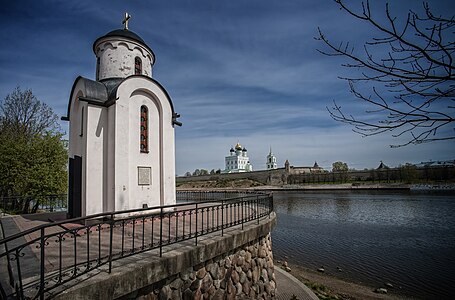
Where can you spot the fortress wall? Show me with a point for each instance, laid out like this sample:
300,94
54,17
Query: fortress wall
270,177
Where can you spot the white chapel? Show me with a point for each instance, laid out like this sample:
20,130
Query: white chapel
238,160
121,131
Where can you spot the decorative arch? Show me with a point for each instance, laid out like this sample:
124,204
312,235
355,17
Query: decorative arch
137,66
143,143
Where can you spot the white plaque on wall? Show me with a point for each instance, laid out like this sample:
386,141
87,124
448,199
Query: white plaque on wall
144,175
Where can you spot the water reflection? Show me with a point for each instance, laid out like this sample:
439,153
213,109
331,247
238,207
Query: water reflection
375,236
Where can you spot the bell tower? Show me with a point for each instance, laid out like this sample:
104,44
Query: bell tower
271,161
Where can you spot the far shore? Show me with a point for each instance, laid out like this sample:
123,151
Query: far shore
246,185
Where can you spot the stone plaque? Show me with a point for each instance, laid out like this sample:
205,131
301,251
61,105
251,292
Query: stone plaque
144,175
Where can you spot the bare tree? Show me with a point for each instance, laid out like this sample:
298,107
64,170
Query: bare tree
409,69
22,114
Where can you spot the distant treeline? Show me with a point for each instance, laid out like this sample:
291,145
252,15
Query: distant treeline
404,174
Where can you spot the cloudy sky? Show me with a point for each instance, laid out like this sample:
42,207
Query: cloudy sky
237,71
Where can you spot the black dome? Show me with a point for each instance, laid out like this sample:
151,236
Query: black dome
125,34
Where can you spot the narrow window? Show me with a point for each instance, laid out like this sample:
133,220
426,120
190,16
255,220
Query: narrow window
137,66
143,129
81,133
98,68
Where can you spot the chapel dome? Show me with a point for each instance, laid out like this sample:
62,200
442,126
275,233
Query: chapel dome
238,147
122,33
121,53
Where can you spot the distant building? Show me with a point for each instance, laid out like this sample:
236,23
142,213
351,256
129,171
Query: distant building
271,161
238,160
302,170
382,166
436,163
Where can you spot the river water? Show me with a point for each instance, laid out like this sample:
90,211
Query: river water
402,237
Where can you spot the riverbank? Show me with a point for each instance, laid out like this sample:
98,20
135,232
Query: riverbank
340,186
326,286
246,184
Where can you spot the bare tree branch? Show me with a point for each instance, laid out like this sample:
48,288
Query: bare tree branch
411,75
21,113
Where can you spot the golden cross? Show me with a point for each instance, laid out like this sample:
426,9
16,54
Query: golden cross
125,20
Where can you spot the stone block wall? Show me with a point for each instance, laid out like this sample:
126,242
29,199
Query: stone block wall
269,177
244,273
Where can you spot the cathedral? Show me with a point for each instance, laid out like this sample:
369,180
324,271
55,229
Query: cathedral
121,131
238,160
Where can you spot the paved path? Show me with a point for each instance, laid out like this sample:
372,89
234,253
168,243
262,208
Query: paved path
289,286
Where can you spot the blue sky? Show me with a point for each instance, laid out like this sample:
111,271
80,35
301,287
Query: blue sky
236,70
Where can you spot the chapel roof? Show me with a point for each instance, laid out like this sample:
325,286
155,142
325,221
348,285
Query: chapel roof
123,33
104,93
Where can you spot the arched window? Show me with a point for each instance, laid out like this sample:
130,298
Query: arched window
81,133
137,66
144,130
98,68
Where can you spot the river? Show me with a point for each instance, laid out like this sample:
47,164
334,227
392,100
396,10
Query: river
402,237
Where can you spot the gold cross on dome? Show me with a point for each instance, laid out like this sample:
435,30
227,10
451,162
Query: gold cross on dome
125,20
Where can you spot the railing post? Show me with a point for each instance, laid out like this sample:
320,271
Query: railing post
111,235
195,237
222,217
243,211
270,205
41,285
257,208
161,231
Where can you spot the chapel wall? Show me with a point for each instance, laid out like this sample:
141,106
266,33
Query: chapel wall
95,159
116,59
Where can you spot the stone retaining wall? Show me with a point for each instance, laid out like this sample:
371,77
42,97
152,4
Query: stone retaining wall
246,273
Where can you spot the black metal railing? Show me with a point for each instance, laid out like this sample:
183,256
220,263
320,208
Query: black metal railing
42,259
212,195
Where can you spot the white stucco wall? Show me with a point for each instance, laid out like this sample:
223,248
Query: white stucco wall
117,58
78,136
96,159
132,94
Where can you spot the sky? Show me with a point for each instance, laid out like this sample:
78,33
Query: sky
237,71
